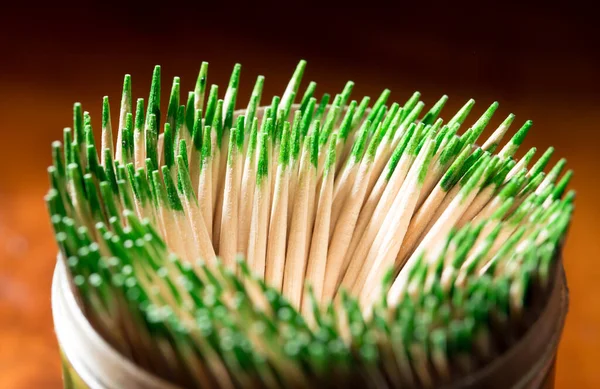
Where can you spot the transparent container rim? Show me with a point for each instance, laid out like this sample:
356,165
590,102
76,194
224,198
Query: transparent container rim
89,354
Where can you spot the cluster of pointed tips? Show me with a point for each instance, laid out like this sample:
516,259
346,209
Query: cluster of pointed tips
305,241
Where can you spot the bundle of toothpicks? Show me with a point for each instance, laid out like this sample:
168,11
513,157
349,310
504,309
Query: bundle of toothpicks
309,240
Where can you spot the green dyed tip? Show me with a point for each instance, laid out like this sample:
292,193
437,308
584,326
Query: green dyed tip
105,113
234,80
413,114
173,102
78,122
555,171
232,149
139,115
284,152
400,149
295,142
172,195
411,102
508,121
331,156
189,113
211,106
253,139
429,150
360,143
168,145
293,85
262,166
200,87
434,112
347,121
206,143
308,95
562,185
217,122
483,121
314,145
542,162
529,156
473,181
183,151
154,97
184,178
151,139
126,94
197,128
522,133
322,105
360,111
462,114
240,126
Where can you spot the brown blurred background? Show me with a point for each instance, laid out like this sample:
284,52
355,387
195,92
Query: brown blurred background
539,63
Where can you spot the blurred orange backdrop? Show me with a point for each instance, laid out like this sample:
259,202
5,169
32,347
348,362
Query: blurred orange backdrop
540,64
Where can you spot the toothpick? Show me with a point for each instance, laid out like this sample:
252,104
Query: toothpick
139,141
228,235
201,237
295,261
344,227
317,259
247,190
124,110
205,181
107,136
200,87
260,210
276,245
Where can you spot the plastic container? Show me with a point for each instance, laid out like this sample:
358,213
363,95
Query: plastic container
90,362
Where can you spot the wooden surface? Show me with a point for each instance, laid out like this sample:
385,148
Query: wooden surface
539,64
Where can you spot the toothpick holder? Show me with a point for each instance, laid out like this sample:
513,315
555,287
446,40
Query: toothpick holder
92,363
